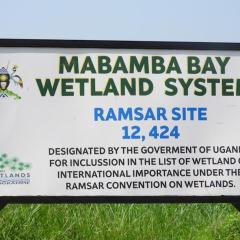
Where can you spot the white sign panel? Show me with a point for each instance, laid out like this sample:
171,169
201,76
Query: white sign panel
119,122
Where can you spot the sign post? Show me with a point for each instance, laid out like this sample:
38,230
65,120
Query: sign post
2,205
110,121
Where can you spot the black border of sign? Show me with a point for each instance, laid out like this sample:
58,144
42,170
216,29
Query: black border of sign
57,43
102,44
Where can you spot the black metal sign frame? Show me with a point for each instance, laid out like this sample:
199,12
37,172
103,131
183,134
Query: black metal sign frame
100,44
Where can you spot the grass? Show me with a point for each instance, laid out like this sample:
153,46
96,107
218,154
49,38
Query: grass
119,221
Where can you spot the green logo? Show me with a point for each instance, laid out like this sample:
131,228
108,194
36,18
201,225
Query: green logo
12,164
6,78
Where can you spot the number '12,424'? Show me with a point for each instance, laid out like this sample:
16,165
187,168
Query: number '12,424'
156,132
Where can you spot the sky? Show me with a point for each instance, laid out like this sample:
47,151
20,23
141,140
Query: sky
143,20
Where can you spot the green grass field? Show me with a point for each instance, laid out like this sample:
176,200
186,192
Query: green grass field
120,221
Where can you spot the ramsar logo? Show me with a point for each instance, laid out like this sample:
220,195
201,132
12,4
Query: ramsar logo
13,171
6,78
13,164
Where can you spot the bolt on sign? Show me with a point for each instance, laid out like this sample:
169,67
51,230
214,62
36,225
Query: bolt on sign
110,121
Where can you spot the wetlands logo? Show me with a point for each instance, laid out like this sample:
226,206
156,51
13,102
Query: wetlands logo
6,78
13,171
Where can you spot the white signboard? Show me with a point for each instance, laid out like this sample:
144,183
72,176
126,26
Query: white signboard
119,122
